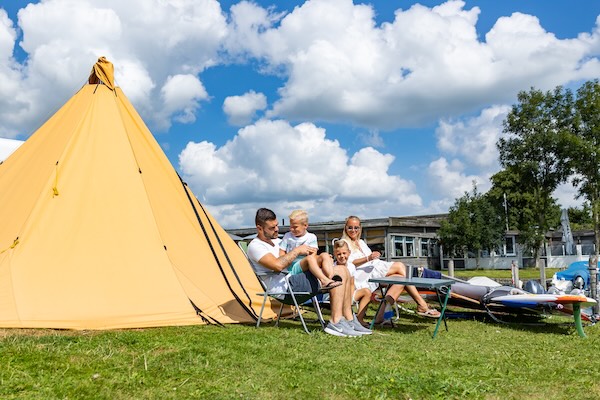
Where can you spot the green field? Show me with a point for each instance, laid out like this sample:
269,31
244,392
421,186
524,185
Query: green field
475,359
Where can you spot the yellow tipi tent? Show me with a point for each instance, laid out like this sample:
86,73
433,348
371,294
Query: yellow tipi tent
97,230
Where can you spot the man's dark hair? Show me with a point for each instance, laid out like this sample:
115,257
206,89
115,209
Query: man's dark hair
263,215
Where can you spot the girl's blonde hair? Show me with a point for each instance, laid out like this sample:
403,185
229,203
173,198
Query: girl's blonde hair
352,244
299,215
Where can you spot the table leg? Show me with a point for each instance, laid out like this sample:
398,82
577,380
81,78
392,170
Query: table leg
381,303
577,317
443,312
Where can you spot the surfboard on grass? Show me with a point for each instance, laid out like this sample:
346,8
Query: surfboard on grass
533,300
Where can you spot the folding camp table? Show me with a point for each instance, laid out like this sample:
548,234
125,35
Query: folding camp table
423,283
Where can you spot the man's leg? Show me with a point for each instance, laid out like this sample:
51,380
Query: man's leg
304,282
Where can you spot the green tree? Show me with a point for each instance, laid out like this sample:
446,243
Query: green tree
585,150
580,218
520,207
538,129
472,224
509,198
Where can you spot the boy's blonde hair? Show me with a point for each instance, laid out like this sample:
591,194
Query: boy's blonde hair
340,244
299,215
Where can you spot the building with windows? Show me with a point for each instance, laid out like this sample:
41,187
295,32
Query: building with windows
414,241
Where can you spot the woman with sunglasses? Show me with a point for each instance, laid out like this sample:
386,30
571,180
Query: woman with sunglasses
368,261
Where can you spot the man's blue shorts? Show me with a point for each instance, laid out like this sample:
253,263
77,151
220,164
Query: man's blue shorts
304,282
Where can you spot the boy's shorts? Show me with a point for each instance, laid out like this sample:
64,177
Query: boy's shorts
295,268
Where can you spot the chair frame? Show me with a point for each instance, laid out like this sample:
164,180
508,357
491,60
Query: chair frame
294,301
305,296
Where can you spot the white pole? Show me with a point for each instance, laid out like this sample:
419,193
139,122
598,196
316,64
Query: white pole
506,211
514,270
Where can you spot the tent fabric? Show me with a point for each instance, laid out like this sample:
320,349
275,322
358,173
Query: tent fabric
99,232
103,72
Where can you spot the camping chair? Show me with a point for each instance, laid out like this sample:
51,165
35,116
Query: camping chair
289,298
286,298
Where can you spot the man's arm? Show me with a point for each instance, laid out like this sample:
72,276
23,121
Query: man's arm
280,263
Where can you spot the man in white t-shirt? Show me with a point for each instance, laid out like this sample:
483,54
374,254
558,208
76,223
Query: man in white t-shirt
263,252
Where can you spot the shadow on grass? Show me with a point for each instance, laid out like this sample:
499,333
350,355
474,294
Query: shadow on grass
408,323
411,323
534,323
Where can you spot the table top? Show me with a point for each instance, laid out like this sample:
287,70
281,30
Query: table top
418,282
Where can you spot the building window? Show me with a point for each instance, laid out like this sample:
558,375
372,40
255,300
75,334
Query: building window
410,247
404,246
509,246
425,246
398,246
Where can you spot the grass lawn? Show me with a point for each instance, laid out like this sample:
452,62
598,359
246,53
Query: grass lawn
475,359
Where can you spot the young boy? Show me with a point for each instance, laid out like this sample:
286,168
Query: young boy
321,265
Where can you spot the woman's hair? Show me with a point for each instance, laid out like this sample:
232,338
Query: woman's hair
299,215
353,245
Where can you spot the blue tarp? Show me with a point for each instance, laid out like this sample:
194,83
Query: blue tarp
576,269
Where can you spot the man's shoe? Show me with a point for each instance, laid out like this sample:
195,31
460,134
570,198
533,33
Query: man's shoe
342,328
335,329
348,328
357,326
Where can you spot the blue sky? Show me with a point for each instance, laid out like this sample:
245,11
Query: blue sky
386,108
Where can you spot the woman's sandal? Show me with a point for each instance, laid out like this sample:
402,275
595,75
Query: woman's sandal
430,313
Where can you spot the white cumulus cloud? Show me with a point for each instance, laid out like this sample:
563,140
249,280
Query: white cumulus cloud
7,147
451,181
155,45
181,95
241,110
474,139
428,63
272,163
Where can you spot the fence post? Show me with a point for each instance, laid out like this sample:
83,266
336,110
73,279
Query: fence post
451,267
542,267
514,271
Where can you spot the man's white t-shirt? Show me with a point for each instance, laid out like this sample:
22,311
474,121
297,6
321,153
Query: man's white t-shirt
257,249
